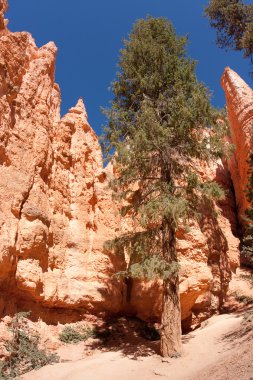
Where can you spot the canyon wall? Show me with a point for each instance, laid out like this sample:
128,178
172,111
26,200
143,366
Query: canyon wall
54,212
57,211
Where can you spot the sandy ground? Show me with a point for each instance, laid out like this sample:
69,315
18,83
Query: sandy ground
222,349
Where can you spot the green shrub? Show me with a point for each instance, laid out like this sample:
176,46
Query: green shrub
24,352
70,335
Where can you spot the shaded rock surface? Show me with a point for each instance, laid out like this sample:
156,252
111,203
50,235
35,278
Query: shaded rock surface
57,211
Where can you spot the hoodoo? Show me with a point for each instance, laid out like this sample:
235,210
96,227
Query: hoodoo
239,97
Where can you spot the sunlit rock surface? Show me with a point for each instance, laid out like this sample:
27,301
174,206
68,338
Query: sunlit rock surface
57,211
239,98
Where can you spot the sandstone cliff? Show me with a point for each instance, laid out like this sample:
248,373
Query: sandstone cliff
239,98
54,213
56,209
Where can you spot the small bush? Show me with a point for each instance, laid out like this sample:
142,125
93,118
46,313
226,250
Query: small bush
70,335
24,352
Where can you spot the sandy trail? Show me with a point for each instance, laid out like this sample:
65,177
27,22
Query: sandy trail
212,352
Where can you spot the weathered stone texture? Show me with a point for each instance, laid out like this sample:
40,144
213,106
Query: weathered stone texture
239,98
56,208
55,213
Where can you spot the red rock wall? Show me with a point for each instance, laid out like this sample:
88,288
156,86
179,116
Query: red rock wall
239,97
56,209
54,214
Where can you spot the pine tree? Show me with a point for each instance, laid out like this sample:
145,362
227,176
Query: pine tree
233,20
160,122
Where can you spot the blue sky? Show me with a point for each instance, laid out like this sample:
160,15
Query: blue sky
89,34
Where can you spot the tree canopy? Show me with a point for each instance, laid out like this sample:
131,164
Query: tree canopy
233,20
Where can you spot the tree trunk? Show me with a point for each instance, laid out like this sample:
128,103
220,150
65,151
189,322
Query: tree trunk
171,313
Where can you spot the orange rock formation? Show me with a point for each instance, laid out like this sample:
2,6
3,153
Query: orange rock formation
54,212
239,98
57,211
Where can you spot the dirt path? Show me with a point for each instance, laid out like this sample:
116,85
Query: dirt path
222,350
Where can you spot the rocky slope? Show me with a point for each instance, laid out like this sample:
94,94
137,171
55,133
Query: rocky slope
57,211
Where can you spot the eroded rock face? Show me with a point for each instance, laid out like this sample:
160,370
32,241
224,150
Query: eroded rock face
3,9
54,214
239,98
57,211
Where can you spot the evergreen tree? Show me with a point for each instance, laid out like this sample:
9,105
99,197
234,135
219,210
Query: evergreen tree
160,122
233,20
